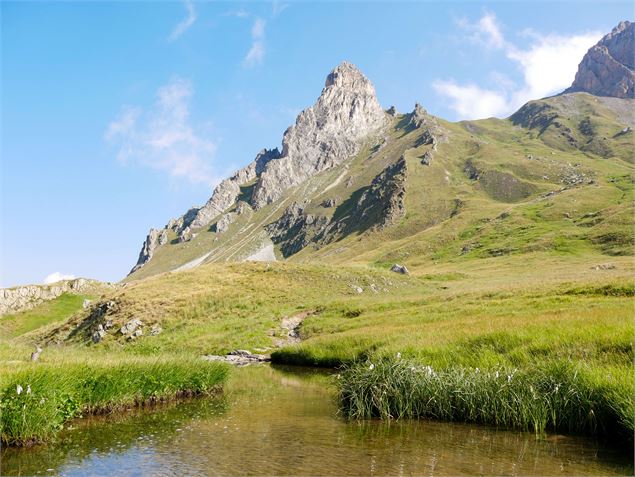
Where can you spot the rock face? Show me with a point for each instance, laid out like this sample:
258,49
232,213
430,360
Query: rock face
325,134
26,297
608,68
380,205
154,239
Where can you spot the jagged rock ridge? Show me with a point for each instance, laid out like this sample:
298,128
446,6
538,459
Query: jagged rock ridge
608,68
323,136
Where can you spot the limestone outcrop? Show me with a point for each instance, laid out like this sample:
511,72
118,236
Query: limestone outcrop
22,298
608,68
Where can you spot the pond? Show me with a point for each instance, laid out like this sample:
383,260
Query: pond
283,421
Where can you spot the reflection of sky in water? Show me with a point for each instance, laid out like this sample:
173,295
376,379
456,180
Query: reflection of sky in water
273,422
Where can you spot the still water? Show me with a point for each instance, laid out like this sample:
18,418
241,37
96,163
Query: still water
282,421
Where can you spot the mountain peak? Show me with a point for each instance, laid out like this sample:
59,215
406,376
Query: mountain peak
345,75
608,68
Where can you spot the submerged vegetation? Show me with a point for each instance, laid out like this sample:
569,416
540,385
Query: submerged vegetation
557,396
36,401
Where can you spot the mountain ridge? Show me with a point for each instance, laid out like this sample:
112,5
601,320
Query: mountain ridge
346,165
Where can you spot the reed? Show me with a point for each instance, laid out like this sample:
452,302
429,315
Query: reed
555,396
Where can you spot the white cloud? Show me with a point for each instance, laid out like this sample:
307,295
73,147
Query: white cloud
470,101
550,64
485,31
256,53
186,23
163,138
56,277
278,7
547,66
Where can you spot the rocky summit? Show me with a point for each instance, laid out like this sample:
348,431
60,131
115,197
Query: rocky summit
608,68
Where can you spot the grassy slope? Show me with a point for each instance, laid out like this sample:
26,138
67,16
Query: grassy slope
50,312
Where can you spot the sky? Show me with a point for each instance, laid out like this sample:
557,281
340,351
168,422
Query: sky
117,116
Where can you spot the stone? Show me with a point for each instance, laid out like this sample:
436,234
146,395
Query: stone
86,303
608,68
155,330
130,327
98,335
36,354
392,111
399,269
224,222
329,203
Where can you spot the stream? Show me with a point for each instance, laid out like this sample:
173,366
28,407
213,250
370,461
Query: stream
283,421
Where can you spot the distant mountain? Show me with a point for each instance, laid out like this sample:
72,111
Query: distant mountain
354,183
608,68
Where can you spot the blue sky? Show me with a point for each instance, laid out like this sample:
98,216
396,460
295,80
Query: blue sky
117,116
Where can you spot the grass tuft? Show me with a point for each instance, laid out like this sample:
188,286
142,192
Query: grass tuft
35,402
556,396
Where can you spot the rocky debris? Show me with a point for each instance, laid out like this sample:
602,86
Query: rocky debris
26,297
608,68
131,327
604,266
224,222
36,354
348,183
471,171
358,289
399,269
155,239
426,158
228,191
392,111
242,207
291,326
155,330
324,135
294,230
328,203
99,334
239,357
469,247
86,303
185,236
382,203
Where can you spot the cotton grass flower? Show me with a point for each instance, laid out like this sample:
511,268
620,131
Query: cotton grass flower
19,389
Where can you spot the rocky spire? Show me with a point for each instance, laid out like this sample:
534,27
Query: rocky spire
608,68
325,134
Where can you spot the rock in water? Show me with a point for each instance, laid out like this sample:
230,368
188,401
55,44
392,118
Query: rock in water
608,68
324,135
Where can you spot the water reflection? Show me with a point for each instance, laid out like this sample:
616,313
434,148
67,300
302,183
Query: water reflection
283,422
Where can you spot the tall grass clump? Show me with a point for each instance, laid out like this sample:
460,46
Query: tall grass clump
554,396
36,402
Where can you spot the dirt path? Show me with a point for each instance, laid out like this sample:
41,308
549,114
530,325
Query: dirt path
292,326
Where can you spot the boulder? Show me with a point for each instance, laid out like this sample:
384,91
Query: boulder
399,269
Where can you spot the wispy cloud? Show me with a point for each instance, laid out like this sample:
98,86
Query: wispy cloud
278,7
548,66
186,23
486,31
56,277
240,13
256,54
163,137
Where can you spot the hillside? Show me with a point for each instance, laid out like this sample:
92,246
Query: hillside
557,176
